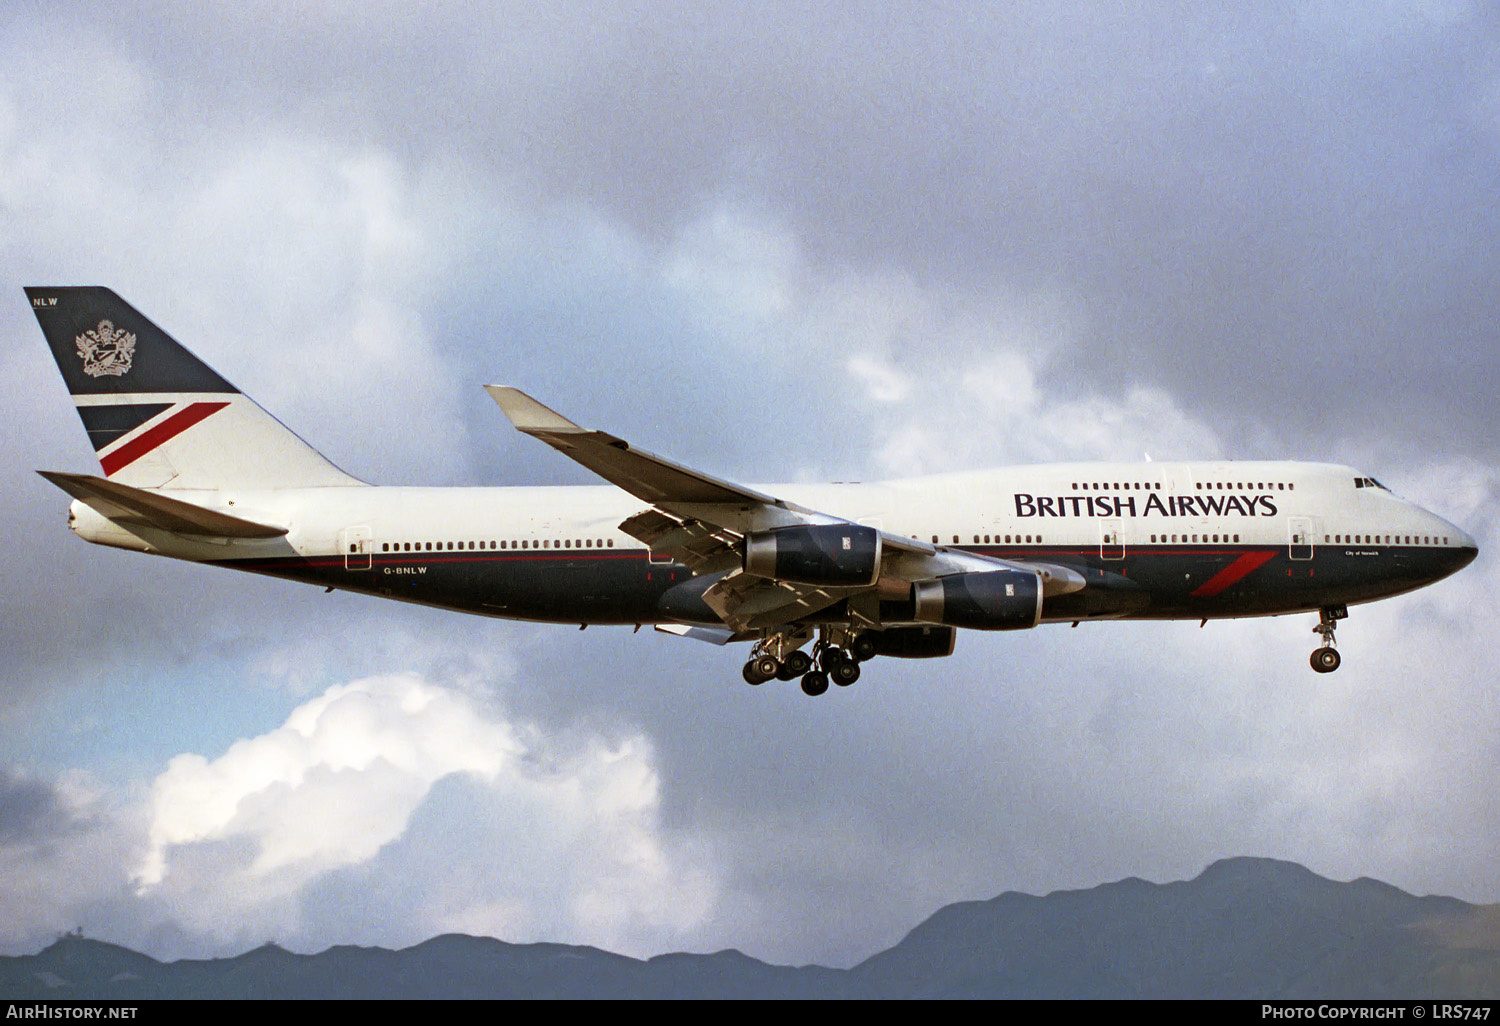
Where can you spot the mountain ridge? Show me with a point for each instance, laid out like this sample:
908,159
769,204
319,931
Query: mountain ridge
1243,928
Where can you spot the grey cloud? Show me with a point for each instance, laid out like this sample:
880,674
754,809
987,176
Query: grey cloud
1281,211
30,810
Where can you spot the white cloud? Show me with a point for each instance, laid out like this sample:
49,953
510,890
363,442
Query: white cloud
568,828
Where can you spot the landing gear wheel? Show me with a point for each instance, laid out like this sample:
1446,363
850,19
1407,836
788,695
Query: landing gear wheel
844,672
829,658
814,683
1325,660
863,648
753,675
794,665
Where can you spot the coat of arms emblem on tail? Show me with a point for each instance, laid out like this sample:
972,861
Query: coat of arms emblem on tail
106,350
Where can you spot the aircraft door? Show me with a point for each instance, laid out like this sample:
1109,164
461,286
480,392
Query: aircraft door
355,544
1300,537
1111,540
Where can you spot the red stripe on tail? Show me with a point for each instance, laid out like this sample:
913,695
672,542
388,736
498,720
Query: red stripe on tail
164,432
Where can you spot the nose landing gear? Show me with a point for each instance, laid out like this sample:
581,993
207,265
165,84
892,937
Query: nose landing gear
1325,659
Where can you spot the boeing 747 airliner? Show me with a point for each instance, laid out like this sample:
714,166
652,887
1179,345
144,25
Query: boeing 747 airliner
819,578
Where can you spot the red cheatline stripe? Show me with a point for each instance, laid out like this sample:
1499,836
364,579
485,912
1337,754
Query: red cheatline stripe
168,429
1233,573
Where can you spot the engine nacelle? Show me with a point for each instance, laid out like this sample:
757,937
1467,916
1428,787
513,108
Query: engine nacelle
843,555
914,642
998,600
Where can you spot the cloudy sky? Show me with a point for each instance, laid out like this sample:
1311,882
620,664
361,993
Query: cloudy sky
791,241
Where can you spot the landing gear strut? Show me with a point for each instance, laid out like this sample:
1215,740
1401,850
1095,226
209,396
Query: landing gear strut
1325,659
835,659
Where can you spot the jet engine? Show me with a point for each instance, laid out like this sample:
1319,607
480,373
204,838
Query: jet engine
842,555
998,600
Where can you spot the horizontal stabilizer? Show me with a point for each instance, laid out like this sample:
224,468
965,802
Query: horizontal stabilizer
138,507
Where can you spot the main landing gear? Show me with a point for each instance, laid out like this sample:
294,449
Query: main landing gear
1325,659
837,664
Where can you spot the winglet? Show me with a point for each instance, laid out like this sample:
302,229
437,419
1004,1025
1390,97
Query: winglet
528,415
656,480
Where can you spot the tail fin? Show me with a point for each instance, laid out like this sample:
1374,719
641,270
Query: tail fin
156,414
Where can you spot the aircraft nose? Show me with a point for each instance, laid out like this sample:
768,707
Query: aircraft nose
1463,552
1468,546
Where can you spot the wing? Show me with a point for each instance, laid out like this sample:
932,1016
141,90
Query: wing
703,522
